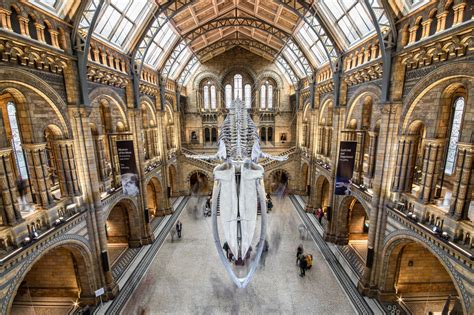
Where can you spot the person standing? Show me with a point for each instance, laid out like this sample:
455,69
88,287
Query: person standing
179,228
299,252
319,214
303,265
226,248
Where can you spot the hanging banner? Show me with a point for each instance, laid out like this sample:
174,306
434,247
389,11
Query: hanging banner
345,167
128,167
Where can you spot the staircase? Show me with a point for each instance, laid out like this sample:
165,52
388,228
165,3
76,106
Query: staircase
354,260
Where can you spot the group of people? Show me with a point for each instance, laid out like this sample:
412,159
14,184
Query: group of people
304,261
319,215
237,260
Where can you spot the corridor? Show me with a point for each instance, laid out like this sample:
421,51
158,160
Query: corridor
187,277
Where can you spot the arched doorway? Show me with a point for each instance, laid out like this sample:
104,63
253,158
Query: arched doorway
322,194
355,226
118,231
279,182
199,183
154,198
172,180
55,283
418,279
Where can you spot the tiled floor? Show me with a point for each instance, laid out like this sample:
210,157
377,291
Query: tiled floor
187,277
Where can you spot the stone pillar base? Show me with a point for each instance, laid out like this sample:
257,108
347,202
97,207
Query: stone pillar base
111,292
371,292
148,239
341,240
329,237
134,243
168,211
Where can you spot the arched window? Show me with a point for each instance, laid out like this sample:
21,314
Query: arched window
263,96
248,95
213,97
266,96
214,135
270,134
263,134
16,142
270,96
206,96
207,135
228,95
238,86
454,135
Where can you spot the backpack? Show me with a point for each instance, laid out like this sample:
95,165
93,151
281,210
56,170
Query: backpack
309,261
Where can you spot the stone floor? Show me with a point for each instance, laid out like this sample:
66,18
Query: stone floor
187,277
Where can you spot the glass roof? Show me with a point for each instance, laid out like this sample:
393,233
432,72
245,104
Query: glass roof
310,42
119,20
296,58
286,70
350,17
161,44
189,70
57,7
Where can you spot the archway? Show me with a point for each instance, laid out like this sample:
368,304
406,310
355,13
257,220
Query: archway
154,198
199,183
354,225
118,231
416,277
322,193
279,182
56,283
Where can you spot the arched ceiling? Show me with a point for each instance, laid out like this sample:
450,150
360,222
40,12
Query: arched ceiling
173,37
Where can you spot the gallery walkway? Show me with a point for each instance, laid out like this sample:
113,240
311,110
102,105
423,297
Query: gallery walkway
186,277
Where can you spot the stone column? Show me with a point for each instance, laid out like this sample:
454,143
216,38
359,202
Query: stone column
40,32
5,21
406,158
359,158
432,160
412,36
441,21
23,21
89,177
458,13
372,154
101,158
463,182
66,166
55,38
9,210
386,159
38,171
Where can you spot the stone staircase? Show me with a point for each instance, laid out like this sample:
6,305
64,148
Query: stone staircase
354,260
124,261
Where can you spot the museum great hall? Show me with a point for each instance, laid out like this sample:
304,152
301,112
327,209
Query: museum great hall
112,112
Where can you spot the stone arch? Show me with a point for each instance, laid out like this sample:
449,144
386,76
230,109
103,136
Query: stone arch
351,219
326,103
305,173
322,185
237,68
154,196
456,71
81,251
394,243
199,182
25,82
270,74
279,180
104,93
370,90
203,75
123,223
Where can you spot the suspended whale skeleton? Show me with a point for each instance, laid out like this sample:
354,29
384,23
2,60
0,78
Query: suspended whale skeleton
238,188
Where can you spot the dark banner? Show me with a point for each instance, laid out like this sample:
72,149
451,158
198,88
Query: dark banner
345,167
128,167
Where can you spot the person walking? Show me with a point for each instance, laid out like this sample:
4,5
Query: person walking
299,252
179,228
319,214
303,265
226,249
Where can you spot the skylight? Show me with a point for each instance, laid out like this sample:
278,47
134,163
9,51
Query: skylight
311,43
161,44
350,18
57,7
118,21
286,70
189,70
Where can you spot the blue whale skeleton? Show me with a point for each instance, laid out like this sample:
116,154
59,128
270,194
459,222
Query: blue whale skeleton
238,188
